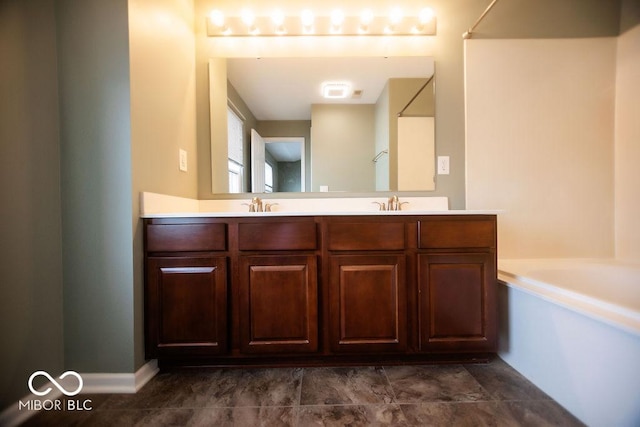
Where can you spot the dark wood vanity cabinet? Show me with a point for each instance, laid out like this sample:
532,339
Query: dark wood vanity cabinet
278,286
320,289
278,304
367,285
457,284
186,283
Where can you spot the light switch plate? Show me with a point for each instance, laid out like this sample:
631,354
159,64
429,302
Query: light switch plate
183,160
443,165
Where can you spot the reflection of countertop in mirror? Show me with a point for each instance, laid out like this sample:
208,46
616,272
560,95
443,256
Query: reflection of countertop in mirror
153,205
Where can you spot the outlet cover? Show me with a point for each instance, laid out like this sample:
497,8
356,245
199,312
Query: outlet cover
443,165
183,160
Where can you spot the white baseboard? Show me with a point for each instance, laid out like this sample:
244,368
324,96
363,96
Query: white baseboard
119,383
92,384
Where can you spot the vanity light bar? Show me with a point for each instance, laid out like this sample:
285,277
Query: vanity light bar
246,24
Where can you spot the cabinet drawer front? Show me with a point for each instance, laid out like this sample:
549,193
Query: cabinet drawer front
186,237
277,236
452,233
366,236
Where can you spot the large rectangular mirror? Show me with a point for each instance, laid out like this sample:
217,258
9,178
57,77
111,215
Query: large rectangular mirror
274,130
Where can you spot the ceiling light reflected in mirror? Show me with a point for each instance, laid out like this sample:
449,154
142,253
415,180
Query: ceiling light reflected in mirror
336,90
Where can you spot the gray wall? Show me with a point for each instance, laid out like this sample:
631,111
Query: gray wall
342,146
31,320
95,143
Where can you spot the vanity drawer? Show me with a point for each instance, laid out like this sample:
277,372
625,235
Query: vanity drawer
345,236
277,236
457,233
192,237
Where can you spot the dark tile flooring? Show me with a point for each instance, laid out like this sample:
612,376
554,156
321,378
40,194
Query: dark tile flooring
490,394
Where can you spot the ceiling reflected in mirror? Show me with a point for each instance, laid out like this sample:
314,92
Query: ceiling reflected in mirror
286,88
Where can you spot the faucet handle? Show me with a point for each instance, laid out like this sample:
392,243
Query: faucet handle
252,206
380,206
267,206
400,205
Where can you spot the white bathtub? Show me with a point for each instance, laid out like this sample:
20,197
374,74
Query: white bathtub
573,328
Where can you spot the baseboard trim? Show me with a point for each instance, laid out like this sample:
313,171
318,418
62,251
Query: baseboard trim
92,384
119,383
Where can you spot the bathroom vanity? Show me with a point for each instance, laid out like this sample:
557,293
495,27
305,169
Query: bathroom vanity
320,289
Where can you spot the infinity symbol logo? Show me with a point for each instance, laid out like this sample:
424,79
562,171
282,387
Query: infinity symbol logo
62,389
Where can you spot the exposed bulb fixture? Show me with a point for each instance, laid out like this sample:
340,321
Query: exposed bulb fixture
307,19
278,20
424,17
368,22
278,17
366,16
365,20
247,16
217,18
337,18
395,16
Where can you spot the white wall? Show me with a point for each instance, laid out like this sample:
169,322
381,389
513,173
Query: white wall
539,143
627,147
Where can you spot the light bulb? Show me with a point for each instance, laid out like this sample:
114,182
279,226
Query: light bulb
366,17
396,15
217,18
425,15
337,17
247,17
278,17
307,21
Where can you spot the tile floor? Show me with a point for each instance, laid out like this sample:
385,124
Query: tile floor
490,394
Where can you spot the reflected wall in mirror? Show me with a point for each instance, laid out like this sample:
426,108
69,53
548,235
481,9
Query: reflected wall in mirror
358,143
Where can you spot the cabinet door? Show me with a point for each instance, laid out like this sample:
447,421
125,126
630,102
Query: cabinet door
367,306
186,306
457,306
278,304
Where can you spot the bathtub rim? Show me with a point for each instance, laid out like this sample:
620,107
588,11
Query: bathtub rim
614,315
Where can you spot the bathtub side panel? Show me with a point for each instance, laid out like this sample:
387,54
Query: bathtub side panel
589,367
